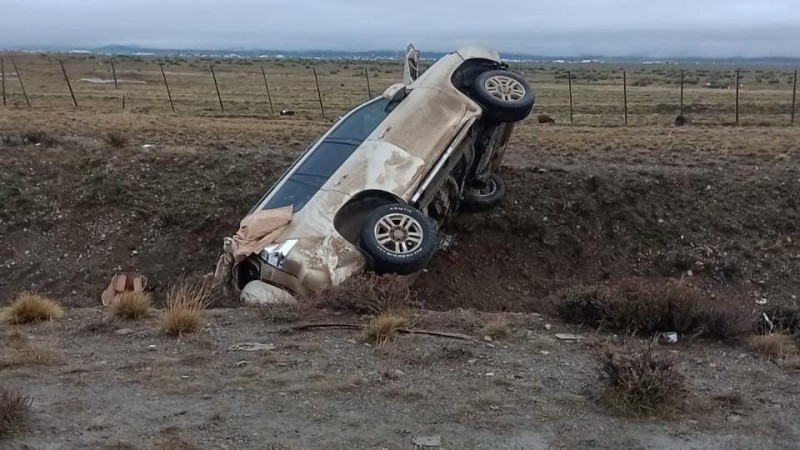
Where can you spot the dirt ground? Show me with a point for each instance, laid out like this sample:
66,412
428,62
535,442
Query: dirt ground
718,207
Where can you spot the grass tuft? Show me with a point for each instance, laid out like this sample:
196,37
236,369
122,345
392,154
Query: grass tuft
279,313
774,345
186,302
132,305
116,139
643,383
28,308
497,328
15,411
383,329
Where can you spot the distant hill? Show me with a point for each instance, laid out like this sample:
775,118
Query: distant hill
383,55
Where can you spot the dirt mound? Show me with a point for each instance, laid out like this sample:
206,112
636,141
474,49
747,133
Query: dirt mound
72,213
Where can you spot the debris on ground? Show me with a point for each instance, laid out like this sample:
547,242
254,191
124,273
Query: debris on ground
251,347
428,441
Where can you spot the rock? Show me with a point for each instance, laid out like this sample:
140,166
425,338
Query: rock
489,374
124,332
152,347
398,373
567,337
544,352
547,326
472,361
427,441
258,293
184,377
487,338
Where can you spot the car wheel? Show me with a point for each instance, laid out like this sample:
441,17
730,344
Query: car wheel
482,198
399,238
506,96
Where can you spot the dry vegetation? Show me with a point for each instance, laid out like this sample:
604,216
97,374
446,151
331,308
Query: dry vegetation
774,345
642,382
132,305
28,308
383,329
21,351
15,409
369,294
498,327
186,303
647,307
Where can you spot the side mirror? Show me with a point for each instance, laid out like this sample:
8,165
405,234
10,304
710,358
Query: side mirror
395,92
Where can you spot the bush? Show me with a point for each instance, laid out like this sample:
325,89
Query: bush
131,305
643,383
186,302
383,329
646,307
28,308
369,294
116,139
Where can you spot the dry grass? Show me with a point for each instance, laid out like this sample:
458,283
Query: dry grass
369,294
279,313
20,351
116,139
15,411
132,305
774,345
186,302
28,308
383,329
497,328
651,306
643,383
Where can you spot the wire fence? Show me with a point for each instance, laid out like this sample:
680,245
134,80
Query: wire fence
593,94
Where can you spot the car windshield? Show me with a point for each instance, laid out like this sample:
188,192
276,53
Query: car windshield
302,183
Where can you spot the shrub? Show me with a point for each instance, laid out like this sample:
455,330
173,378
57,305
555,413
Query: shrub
774,345
116,139
643,383
131,305
38,137
29,308
186,302
369,294
497,328
277,313
646,307
14,411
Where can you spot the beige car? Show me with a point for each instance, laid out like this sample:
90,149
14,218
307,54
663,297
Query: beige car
373,192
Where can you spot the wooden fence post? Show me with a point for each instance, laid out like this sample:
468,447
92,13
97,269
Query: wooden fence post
3,79
114,73
69,85
369,89
681,92
22,85
737,96
625,94
569,79
266,86
319,93
216,86
163,74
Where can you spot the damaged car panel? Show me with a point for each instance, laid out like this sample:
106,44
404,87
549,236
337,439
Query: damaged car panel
373,192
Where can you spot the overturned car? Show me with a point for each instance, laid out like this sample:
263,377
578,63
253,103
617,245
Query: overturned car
373,192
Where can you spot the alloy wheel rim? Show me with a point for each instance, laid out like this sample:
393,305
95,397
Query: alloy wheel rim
399,233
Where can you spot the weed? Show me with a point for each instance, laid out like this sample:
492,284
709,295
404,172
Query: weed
186,303
383,329
116,139
29,308
774,345
279,313
497,328
131,305
369,294
15,411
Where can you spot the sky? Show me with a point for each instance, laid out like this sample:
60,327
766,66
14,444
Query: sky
650,28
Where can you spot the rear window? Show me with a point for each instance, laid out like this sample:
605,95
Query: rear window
305,180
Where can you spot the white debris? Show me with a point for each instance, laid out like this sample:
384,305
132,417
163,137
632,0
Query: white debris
567,337
427,441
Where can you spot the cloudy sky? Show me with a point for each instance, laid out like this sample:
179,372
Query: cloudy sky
656,28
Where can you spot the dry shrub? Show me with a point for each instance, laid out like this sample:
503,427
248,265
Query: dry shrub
15,411
780,318
132,305
643,383
646,307
186,302
369,294
774,345
497,328
38,137
29,308
278,313
116,139
383,328
20,351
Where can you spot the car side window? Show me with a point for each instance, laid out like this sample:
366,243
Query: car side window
363,122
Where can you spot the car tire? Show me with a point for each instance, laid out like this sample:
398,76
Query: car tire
398,238
505,96
485,198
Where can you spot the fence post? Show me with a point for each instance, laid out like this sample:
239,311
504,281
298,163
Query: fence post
737,96
569,80
22,85
123,101
216,86
319,94
625,93
114,73
169,95
69,85
3,79
681,92
369,89
266,86
794,94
